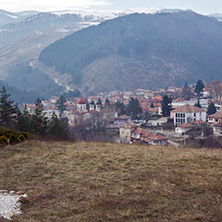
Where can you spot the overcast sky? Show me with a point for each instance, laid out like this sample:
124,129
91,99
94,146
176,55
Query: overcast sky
200,6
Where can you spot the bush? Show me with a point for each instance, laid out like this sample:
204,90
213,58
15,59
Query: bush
25,134
7,132
12,139
21,138
3,140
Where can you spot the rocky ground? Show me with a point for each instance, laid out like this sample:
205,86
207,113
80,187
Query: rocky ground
10,203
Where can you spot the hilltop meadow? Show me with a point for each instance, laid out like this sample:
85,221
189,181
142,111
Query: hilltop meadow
68,181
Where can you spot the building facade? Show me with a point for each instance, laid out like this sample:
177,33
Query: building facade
187,113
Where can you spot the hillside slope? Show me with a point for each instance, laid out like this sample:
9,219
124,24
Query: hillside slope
22,41
113,182
139,50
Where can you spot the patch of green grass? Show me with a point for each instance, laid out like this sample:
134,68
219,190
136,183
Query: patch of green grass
113,182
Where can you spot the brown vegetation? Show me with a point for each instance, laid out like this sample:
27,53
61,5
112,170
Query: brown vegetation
113,182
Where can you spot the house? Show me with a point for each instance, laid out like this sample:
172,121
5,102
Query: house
158,122
181,102
187,113
136,134
148,137
157,140
185,127
121,120
217,129
125,132
215,118
140,142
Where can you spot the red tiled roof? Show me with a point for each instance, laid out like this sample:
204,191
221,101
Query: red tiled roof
153,100
188,109
137,131
186,125
153,109
81,101
139,142
178,100
157,137
199,122
216,115
160,98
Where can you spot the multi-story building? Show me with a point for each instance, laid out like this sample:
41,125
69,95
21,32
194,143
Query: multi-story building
187,113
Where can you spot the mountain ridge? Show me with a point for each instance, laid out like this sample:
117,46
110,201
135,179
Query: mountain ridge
169,46
24,46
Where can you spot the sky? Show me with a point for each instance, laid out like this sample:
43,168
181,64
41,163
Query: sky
199,6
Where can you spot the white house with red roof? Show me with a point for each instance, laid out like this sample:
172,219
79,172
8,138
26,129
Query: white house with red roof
81,105
185,127
157,139
148,137
215,118
186,114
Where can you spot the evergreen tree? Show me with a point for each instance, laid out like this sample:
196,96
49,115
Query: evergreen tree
39,120
166,106
58,127
185,85
121,108
199,87
107,103
24,120
133,109
197,104
151,105
99,101
186,93
60,103
211,109
7,110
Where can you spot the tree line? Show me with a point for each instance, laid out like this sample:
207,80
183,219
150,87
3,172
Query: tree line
37,123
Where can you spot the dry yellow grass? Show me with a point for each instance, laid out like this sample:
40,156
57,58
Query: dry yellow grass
113,182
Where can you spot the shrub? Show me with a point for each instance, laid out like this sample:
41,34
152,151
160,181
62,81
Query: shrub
12,139
25,134
21,138
3,140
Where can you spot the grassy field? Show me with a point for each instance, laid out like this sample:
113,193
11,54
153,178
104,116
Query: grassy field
113,182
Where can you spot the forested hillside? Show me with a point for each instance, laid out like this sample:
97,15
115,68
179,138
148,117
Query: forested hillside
33,80
173,47
19,95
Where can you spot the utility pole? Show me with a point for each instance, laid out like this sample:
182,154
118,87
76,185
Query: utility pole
184,141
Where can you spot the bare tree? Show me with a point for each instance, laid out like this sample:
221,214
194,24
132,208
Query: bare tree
89,128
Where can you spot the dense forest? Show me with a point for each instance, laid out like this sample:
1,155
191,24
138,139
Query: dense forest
18,95
33,80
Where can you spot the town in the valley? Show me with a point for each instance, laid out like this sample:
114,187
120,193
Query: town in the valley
175,116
